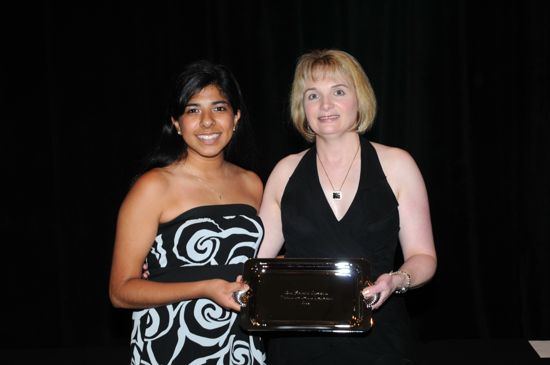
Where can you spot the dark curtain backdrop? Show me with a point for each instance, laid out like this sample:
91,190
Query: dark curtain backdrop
462,85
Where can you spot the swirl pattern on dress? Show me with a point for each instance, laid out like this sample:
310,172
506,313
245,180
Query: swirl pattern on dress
199,331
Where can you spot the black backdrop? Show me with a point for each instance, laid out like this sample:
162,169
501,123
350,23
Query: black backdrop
462,85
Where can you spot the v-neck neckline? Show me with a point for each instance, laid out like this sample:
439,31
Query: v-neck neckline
320,187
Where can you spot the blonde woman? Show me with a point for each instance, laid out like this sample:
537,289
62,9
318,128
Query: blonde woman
347,197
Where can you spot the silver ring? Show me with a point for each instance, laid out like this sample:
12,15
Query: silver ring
371,300
241,297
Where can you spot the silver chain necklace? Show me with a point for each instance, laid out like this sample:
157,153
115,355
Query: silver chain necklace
337,193
207,185
219,194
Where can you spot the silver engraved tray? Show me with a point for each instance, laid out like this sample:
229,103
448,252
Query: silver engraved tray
305,295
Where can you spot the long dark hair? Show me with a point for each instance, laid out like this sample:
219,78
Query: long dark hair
195,77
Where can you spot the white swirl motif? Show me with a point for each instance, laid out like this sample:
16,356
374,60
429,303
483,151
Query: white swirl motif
199,323
240,352
157,323
202,246
159,252
211,316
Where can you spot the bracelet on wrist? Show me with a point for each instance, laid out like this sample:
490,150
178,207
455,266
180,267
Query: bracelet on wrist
407,281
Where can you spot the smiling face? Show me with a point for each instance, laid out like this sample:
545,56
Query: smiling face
330,104
207,123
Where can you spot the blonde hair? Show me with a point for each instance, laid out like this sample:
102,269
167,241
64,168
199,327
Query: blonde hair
320,63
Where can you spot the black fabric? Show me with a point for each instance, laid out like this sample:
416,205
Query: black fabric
174,275
368,230
202,243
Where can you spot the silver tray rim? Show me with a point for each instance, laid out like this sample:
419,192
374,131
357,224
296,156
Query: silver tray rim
359,267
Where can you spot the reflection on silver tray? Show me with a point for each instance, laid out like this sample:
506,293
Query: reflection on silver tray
305,295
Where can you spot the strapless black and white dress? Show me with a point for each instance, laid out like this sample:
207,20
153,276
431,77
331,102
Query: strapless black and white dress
202,243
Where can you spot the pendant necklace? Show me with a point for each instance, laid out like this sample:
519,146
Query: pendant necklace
207,185
337,193
220,195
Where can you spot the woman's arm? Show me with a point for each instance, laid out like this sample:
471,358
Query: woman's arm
137,225
270,209
415,234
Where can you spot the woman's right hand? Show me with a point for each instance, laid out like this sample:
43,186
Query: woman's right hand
221,292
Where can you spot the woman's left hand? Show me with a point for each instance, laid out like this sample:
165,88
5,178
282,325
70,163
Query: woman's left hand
383,286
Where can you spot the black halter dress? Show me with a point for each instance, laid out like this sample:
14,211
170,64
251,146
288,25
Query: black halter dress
369,230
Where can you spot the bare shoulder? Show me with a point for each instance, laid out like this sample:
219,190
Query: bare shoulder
151,187
155,181
394,160
249,180
245,176
286,166
400,170
276,183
